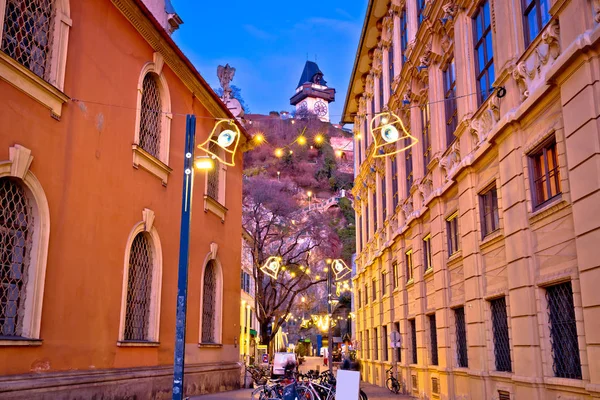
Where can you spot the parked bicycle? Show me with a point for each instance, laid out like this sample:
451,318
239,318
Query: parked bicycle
392,382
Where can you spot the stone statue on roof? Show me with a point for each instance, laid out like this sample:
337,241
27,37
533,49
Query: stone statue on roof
225,75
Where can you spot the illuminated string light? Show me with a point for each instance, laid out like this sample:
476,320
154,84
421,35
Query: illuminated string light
278,153
319,138
301,140
259,138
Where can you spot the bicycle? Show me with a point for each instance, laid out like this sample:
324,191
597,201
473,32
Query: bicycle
392,383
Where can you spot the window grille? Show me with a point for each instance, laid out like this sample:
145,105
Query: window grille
451,103
139,289
16,231
413,340
484,51
433,333
150,117
384,341
461,338
398,349
563,331
536,14
409,265
452,229
425,129
28,33
415,383
490,220
503,395
212,176
435,385
383,197
209,303
500,331
427,253
546,174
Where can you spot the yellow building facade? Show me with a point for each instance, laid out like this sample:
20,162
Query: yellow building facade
478,244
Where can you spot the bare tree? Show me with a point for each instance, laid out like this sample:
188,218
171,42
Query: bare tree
302,240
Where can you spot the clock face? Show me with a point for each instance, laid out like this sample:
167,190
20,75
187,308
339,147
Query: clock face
303,106
320,108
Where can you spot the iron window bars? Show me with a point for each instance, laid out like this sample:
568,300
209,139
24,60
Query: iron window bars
461,337
566,362
413,340
150,116
209,303
139,290
16,232
433,336
500,331
28,34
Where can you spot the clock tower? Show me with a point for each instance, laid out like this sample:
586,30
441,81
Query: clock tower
312,94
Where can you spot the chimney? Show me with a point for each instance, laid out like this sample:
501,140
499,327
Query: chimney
165,14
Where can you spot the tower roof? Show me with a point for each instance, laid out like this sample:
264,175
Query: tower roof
311,74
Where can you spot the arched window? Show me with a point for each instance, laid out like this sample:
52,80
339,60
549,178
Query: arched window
16,233
28,32
139,289
35,34
209,303
150,119
153,120
142,280
24,234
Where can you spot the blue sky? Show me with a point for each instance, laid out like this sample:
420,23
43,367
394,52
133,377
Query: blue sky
267,41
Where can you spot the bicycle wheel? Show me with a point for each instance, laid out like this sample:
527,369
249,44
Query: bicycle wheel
392,385
263,393
304,393
362,395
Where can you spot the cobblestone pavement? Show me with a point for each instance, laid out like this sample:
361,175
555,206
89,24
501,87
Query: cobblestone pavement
372,391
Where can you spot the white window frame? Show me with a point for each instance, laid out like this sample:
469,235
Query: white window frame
158,166
48,93
17,166
146,225
218,333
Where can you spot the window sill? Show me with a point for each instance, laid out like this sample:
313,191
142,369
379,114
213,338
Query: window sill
133,343
454,258
574,383
141,158
28,82
210,345
214,207
554,205
409,283
428,271
19,341
491,238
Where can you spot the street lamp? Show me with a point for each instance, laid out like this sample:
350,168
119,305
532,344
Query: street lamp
278,174
189,163
309,193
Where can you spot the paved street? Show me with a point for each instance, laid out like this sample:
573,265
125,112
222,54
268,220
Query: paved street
373,392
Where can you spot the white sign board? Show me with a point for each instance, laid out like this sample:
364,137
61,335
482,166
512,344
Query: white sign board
280,360
347,385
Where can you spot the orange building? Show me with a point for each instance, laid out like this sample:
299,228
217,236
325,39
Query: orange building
93,98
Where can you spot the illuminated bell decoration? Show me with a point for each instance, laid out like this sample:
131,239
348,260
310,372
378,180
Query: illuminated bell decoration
340,269
271,266
227,139
387,128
